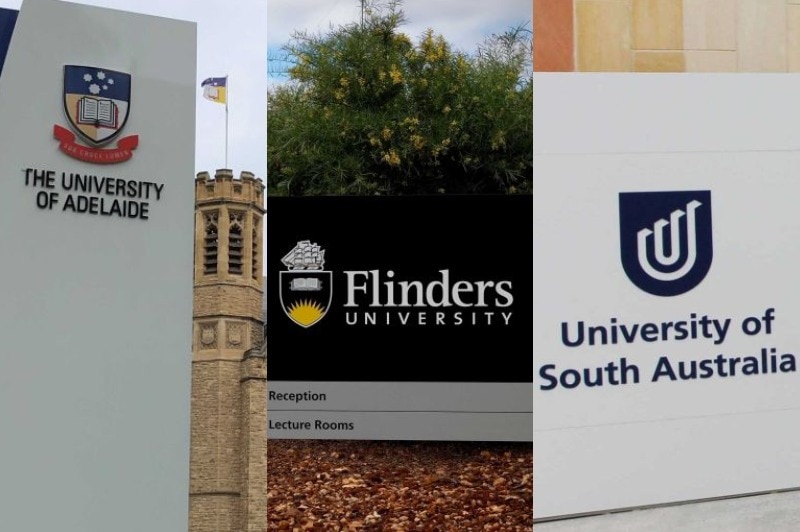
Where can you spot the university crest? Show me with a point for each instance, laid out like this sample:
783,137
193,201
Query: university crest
97,105
305,290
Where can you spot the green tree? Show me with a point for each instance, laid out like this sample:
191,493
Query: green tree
366,111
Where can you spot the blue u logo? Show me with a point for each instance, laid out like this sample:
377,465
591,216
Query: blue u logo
666,239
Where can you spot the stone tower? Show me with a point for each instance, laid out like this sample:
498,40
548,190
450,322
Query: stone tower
228,457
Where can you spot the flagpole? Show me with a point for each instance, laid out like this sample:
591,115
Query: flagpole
227,97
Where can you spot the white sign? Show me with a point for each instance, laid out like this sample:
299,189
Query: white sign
477,411
665,312
96,211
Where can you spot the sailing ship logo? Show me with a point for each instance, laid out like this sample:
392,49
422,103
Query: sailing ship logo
305,289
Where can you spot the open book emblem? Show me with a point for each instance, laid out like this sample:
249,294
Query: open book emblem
96,102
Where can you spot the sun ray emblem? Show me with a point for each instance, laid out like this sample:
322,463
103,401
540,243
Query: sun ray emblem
305,290
305,312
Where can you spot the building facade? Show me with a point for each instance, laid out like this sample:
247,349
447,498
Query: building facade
666,35
228,455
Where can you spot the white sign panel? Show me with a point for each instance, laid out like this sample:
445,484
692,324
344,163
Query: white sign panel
665,310
96,212
479,411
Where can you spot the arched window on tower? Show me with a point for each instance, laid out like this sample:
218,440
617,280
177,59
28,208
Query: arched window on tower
255,270
210,243
236,243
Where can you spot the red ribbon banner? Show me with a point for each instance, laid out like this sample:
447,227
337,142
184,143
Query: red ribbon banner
122,152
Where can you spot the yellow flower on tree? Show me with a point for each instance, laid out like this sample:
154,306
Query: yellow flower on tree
411,121
402,38
367,102
392,158
396,75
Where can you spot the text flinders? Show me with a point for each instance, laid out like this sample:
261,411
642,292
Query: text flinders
440,301
620,372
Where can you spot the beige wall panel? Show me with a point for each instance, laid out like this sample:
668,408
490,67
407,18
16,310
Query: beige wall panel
659,62
657,24
710,61
709,24
602,32
761,35
793,37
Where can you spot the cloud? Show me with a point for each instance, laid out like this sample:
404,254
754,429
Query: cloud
464,23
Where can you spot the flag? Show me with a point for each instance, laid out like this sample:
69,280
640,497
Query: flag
216,89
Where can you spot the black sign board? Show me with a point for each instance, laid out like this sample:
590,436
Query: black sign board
403,289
